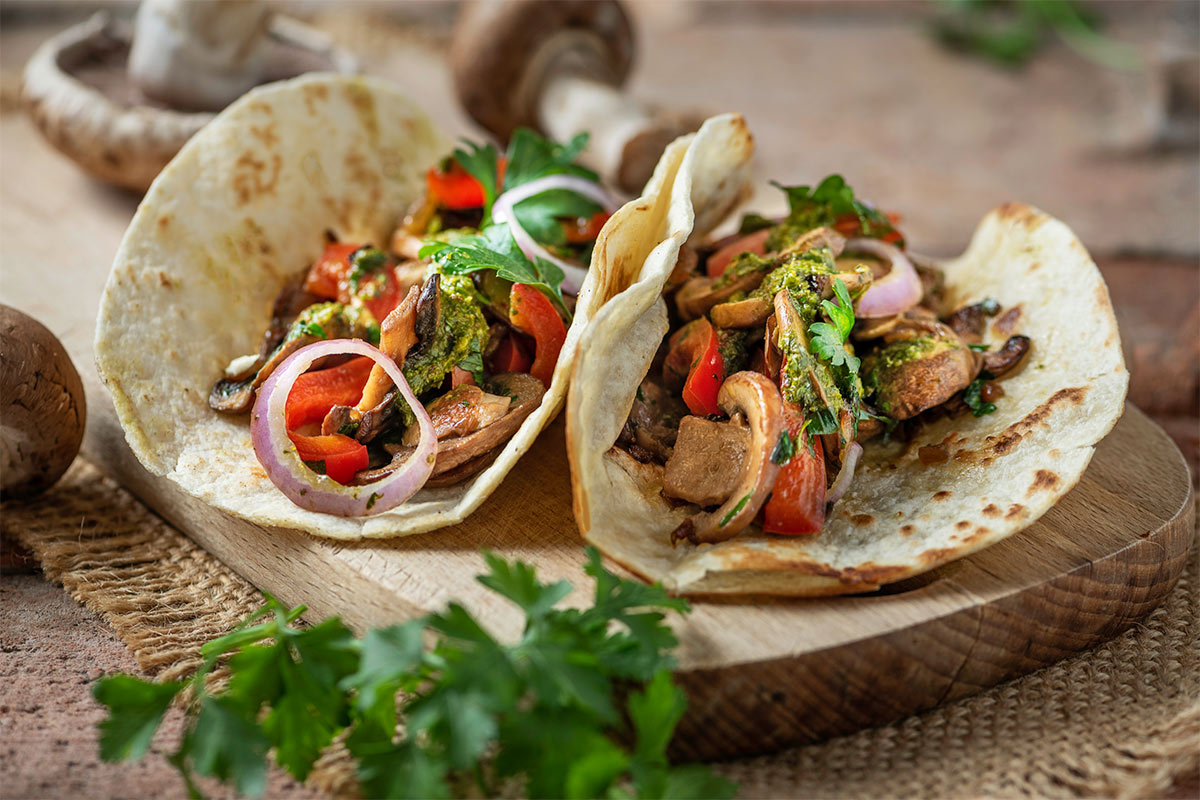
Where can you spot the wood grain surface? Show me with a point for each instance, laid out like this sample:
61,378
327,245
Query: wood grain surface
762,674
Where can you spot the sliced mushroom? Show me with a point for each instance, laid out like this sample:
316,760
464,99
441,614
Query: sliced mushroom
922,364
748,313
462,410
970,322
429,312
817,238
237,396
757,397
699,294
526,392
1007,357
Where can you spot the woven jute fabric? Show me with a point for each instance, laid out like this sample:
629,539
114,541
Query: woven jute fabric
1122,720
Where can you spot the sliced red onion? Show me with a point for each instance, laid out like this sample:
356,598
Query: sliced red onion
502,211
895,292
316,492
846,475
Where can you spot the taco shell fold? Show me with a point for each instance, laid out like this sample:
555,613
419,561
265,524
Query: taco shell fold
900,517
246,204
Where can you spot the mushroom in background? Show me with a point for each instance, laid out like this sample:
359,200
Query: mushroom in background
44,406
121,103
558,66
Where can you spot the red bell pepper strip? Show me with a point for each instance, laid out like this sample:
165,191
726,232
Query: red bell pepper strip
455,188
849,225
705,376
330,270
585,229
753,243
531,312
342,455
510,356
797,503
314,393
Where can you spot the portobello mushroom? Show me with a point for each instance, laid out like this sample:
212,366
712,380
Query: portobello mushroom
757,398
921,364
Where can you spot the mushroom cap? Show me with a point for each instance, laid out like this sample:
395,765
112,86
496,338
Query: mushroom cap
44,406
76,91
503,52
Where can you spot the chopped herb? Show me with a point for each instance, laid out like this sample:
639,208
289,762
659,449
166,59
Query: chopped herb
733,512
972,395
365,261
373,333
473,363
828,341
371,500
830,200
785,448
312,329
754,222
641,397
980,348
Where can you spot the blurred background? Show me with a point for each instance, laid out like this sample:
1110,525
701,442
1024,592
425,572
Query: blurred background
938,111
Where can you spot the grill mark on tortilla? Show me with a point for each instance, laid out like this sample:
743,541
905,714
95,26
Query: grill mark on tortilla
312,93
1031,218
253,177
991,510
962,524
265,134
862,519
1014,510
942,495
1008,439
907,530
1043,481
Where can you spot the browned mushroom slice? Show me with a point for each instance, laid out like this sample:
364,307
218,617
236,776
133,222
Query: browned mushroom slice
463,471
970,322
699,294
748,313
818,238
462,410
706,464
757,397
1007,357
236,397
526,393
922,364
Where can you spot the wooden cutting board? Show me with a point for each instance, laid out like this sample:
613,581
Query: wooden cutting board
767,674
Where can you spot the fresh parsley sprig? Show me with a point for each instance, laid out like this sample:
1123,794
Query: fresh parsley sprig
582,705
494,248
827,340
834,197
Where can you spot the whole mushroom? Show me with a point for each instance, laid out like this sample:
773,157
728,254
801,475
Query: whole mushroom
44,406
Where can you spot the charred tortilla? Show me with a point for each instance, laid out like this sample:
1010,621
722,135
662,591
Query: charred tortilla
901,516
245,204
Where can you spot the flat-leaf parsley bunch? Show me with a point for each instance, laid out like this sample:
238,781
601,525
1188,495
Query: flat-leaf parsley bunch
583,705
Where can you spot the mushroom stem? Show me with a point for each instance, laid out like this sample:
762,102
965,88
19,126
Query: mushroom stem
757,397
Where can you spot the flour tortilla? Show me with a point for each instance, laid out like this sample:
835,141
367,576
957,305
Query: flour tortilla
245,205
900,517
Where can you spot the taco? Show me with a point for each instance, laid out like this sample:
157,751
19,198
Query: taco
807,408
322,318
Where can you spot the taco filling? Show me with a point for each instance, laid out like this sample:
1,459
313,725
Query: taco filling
391,366
790,344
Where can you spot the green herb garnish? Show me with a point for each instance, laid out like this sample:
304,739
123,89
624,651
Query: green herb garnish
312,329
833,198
972,395
733,512
980,348
494,248
555,708
784,449
828,341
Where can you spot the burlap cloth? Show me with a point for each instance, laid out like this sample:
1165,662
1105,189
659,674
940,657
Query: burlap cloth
1122,720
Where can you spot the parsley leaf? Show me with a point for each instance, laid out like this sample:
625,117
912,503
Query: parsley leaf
785,448
833,196
972,395
481,163
543,708
828,341
494,248
136,709
531,156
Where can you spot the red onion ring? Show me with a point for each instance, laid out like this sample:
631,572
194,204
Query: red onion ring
895,292
503,211
316,492
846,474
